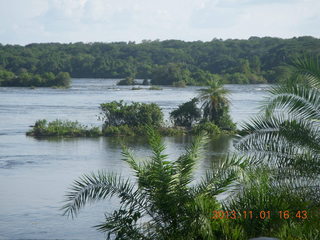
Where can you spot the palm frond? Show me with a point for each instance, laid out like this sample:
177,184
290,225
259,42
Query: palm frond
309,68
279,128
93,187
225,176
184,166
128,157
296,99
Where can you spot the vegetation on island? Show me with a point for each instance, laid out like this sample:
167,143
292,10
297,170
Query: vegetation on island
213,114
123,119
270,185
27,79
170,62
59,128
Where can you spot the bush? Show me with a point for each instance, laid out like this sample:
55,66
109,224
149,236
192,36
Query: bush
207,127
133,115
180,83
172,131
59,128
262,192
125,130
122,130
27,79
187,114
225,122
171,74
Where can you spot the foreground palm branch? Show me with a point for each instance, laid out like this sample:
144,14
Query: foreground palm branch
288,134
162,202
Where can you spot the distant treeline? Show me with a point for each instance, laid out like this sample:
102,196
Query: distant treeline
27,79
255,60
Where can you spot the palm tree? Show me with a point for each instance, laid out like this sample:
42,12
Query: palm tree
214,101
162,202
215,105
288,133
285,141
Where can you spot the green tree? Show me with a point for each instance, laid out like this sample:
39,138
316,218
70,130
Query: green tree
289,129
285,140
135,114
63,79
187,114
215,104
162,203
170,74
6,78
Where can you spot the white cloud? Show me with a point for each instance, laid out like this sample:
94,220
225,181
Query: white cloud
123,20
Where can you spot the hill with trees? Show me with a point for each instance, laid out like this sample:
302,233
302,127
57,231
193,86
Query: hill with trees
170,62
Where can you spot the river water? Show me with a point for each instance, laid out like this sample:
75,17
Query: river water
35,174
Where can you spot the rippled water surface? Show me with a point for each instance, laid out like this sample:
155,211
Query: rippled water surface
35,174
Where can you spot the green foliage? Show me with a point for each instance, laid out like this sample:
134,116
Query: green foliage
162,203
215,105
59,128
171,131
125,130
304,230
288,132
180,83
127,81
133,115
263,191
27,79
255,59
171,74
285,139
187,114
62,79
207,127
122,130
6,77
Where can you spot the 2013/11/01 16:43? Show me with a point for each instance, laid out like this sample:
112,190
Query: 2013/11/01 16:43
264,214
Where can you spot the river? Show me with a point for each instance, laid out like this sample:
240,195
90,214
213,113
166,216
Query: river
35,174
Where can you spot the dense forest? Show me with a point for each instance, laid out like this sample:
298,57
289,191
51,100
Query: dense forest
256,60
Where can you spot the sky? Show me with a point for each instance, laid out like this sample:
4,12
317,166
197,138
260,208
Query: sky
32,21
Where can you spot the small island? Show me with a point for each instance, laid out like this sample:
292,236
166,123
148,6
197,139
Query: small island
203,114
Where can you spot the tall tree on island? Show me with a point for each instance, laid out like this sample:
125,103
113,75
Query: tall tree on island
215,104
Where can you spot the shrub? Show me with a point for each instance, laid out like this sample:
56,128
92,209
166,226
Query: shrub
136,114
180,83
207,127
187,114
172,131
122,130
60,128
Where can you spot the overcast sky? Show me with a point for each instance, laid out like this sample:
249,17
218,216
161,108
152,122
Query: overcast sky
28,21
